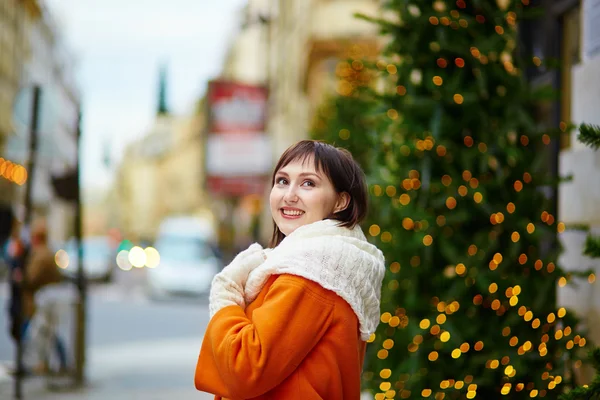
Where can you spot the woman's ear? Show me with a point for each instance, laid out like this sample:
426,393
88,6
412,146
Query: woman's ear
342,203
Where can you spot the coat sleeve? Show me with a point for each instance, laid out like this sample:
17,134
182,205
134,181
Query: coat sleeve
243,358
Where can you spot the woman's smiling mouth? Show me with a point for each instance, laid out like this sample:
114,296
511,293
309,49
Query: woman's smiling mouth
291,213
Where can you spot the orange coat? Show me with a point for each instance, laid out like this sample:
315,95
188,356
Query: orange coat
297,340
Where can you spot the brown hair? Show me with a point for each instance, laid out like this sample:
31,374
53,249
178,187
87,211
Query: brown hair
342,170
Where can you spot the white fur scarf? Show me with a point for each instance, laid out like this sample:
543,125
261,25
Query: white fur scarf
338,259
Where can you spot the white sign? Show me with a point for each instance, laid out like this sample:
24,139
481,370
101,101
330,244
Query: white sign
591,28
238,154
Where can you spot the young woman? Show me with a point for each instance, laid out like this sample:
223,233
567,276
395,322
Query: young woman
291,322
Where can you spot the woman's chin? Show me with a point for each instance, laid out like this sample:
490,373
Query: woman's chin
287,227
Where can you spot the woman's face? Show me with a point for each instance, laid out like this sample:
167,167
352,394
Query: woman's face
301,195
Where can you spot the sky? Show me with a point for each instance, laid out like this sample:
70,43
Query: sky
118,48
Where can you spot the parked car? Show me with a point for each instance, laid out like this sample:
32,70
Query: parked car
188,261
99,258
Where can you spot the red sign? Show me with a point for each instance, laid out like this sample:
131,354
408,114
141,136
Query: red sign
238,151
236,107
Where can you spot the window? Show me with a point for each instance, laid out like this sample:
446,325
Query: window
570,55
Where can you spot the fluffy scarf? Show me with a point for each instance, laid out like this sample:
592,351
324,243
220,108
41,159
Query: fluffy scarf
339,259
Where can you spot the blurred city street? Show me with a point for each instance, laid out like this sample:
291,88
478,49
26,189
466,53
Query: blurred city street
139,148
137,348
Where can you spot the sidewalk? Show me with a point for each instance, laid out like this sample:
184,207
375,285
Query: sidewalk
36,389
154,370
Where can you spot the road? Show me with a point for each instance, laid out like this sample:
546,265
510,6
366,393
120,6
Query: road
136,347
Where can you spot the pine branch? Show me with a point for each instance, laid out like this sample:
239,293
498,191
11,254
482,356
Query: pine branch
591,391
592,246
589,135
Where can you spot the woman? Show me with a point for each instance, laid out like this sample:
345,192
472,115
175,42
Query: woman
292,322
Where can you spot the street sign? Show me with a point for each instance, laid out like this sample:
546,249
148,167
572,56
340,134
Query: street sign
238,151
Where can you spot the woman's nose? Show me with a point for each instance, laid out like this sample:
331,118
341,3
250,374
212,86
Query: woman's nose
290,194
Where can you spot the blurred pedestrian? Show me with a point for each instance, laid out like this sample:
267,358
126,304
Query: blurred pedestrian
14,253
40,301
292,321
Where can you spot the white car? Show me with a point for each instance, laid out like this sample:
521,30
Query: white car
187,266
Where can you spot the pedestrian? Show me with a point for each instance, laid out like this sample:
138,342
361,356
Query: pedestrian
40,304
292,321
14,253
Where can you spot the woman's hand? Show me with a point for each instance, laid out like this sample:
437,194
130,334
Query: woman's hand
228,285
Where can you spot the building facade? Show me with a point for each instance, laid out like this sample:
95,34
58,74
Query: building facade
43,60
162,173
579,199
14,48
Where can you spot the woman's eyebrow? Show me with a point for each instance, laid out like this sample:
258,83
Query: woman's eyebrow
310,174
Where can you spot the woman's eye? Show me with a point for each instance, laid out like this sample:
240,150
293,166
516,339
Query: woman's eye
281,181
308,183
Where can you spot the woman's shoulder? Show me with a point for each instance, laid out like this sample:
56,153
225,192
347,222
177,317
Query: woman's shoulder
300,283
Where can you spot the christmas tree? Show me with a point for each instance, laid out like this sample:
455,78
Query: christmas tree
457,168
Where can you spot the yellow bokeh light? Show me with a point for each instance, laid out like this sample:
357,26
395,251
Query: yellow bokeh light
458,98
152,257
445,336
433,356
451,202
61,258
427,240
456,353
510,207
404,199
137,257
515,237
385,373
562,281
123,260
374,230
388,344
424,324
385,317
386,237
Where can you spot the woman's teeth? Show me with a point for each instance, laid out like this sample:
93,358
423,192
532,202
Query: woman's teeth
292,212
